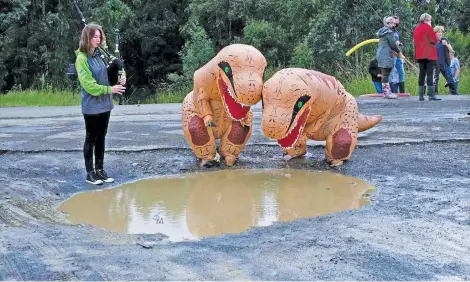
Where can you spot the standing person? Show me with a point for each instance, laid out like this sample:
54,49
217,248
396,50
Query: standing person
97,100
425,41
443,61
385,57
399,66
455,69
376,75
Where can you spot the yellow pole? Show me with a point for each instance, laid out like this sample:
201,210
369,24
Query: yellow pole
368,41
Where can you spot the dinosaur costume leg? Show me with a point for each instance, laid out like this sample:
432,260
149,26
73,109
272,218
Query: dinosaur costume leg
340,144
235,139
341,138
199,136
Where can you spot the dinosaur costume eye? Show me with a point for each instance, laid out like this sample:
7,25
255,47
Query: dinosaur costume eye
226,68
300,103
298,106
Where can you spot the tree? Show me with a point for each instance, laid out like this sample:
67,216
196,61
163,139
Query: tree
12,63
152,41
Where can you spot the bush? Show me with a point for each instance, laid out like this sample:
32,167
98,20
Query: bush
303,56
197,51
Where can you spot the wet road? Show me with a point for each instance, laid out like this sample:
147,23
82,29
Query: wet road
416,227
147,127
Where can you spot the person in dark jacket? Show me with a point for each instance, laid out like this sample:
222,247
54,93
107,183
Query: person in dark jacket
399,68
376,75
443,61
425,41
97,100
385,55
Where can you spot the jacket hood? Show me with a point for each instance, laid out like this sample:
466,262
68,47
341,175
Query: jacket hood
78,52
384,31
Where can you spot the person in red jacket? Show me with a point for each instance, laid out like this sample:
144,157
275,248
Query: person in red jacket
425,41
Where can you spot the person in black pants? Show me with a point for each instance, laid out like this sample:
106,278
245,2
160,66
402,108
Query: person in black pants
97,100
96,126
425,41
443,61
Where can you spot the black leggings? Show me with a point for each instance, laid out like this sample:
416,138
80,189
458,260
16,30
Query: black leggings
385,74
96,128
426,70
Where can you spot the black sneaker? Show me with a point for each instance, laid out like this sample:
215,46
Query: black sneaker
101,174
92,178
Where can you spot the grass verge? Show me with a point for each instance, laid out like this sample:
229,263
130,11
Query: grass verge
362,84
358,85
39,98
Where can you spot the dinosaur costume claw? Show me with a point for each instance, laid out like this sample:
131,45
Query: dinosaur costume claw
301,104
223,93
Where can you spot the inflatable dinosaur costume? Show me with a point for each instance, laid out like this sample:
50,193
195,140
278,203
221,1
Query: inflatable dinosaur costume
219,105
300,104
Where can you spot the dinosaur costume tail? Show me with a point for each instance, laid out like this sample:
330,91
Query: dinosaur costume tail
367,122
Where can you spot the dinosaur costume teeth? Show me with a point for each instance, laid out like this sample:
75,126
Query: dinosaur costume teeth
289,141
329,114
219,107
236,110
233,96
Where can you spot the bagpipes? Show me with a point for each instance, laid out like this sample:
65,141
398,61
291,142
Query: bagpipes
115,67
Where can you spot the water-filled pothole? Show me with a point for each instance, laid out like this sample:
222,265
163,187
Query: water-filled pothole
213,203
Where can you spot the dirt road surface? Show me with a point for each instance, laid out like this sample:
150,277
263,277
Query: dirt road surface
417,226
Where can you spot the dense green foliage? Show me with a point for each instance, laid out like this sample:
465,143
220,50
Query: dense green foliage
164,41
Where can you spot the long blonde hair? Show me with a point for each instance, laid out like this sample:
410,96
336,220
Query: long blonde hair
87,34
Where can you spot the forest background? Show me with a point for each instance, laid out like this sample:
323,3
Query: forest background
163,42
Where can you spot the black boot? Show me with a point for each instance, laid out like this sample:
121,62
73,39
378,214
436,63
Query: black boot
422,90
432,94
392,87
401,86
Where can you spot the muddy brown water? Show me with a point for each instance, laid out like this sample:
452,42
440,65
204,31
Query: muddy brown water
194,206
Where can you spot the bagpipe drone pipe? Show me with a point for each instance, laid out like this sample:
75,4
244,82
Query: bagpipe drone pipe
115,64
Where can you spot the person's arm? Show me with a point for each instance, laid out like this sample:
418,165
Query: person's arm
392,43
396,36
447,44
86,79
431,35
457,69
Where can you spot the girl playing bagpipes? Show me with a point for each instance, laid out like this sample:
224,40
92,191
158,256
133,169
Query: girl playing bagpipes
97,100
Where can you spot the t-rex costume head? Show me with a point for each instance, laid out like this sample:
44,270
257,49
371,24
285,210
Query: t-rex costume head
219,105
240,79
300,104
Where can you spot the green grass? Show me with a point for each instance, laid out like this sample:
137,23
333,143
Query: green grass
362,84
39,98
358,85
168,96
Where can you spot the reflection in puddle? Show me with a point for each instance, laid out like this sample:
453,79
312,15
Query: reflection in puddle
212,203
